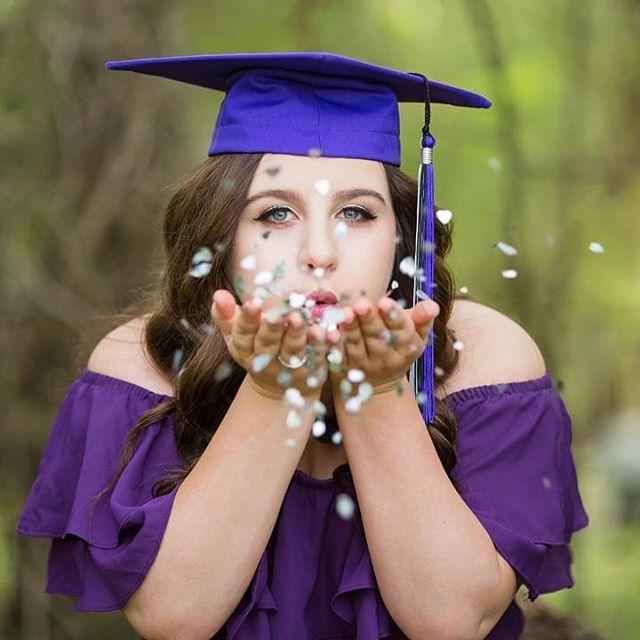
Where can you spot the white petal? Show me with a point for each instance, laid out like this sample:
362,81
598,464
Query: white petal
322,186
444,215
248,262
345,506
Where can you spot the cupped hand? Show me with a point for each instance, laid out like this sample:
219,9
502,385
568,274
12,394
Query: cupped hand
382,341
255,343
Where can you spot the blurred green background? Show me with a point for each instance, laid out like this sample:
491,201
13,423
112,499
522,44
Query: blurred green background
87,157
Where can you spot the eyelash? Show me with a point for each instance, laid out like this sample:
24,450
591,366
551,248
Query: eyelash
366,215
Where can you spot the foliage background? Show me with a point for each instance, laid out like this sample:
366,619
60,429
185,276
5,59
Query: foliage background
87,157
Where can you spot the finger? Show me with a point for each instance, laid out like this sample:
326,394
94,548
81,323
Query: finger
269,336
354,345
394,316
295,338
372,327
245,328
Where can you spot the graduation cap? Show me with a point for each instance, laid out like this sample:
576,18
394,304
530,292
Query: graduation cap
318,103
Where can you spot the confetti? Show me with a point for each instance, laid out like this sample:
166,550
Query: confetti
284,378
222,371
201,262
293,397
394,284
495,164
293,419
341,229
428,246
336,438
319,428
314,152
408,266
227,184
353,405
345,506
596,247
278,272
319,408
355,375
335,356
205,327
297,300
322,186
458,345
290,442
365,391
177,358
248,263
421,398
444,215
439,371
333,315
263,277
507,249
464,290
345,387
261,361
318,273
421,295
509,273
313,382
218,246
546,483
240,285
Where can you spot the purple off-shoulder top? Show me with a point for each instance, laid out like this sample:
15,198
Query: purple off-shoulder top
315,579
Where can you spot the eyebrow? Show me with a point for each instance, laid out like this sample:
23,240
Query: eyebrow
294,196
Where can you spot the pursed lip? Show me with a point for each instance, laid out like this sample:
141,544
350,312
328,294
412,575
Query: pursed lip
322,297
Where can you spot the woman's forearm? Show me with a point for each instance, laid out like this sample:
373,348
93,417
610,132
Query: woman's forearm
221,520
434,562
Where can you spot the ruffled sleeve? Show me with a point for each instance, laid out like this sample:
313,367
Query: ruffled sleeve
515,470
101,560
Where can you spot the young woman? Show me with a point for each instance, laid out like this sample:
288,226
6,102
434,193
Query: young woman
246,459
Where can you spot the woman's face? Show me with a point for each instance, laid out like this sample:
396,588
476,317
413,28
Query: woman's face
329,221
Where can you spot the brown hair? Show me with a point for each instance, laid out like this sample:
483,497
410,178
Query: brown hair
203,212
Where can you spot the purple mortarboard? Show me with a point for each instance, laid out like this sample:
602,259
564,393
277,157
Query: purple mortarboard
306,103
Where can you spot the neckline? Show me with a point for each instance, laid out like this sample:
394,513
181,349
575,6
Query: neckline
300,477
545,381
118,384
468,393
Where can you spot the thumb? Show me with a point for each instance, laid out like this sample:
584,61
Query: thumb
224,310
423,315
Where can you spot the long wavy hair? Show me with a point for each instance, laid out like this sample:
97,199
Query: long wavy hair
203,211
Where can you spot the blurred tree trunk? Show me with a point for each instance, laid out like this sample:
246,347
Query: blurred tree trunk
100,147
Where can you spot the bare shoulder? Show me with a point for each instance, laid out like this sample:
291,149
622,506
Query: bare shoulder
496,348
121,354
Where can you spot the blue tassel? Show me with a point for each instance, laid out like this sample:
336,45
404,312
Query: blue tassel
422,371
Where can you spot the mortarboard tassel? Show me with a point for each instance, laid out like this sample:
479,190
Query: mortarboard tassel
422,371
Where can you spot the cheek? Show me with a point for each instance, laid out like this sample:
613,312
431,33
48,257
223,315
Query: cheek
368,262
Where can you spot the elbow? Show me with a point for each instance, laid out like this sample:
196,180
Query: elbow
453,627
157,626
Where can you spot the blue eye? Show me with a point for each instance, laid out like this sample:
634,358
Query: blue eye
268,215
366,215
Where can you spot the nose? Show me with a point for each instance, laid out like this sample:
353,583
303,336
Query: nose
318,249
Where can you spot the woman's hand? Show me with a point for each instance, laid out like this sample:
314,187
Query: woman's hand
255,343
382,341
